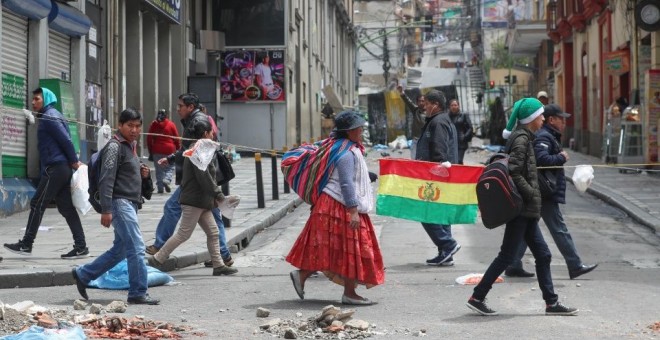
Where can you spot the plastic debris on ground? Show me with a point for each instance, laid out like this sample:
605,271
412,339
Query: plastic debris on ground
493,148
474,279
117,277
400,142
41,333
379,147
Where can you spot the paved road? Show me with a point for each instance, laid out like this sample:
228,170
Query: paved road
616,300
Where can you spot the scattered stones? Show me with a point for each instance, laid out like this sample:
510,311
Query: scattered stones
270,323
262,312
419,333
331,323
116,307
79,305
96,308
290,333
358,324
578,285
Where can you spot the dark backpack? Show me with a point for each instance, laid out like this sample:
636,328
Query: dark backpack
224,171
497,195
93,172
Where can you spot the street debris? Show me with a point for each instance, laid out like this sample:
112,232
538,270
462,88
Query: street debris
473,279
262,312
655,327
23,316
331,323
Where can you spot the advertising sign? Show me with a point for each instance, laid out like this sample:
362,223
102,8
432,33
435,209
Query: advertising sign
651,119
252,76
13,91
617,62
170,8
494,13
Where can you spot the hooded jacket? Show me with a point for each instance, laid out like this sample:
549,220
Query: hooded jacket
53,134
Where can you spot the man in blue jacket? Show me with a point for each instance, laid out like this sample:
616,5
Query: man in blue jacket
57,158
548,151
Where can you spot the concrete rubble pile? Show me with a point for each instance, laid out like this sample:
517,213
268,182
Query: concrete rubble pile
331,323
20,316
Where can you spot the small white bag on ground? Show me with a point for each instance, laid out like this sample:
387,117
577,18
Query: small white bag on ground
228,206
79,187
399,143
582,177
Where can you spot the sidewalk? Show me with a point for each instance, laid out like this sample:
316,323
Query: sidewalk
45,267
636,194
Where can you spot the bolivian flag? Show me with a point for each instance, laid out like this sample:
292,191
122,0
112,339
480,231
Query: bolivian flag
427,192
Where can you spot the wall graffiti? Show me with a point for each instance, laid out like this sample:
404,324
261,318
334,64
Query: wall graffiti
11,131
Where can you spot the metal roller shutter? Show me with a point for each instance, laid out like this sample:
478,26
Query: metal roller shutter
14,94
59,55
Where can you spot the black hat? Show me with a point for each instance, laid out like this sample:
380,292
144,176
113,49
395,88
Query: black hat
554,110
348,120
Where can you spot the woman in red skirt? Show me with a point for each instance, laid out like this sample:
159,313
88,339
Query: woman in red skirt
339,239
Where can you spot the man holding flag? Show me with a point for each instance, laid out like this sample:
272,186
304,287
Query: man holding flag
438,143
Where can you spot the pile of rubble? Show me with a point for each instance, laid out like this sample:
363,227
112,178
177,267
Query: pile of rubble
20,316
331,323
655,327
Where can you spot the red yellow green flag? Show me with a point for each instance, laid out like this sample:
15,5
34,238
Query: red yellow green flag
427,192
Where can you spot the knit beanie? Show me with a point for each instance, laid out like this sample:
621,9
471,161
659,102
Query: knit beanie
524,111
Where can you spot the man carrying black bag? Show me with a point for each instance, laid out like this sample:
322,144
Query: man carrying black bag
549,153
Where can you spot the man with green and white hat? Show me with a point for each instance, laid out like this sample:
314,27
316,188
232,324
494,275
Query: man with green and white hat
524,228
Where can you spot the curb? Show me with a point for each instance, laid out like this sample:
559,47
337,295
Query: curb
633,211
61,275
241,240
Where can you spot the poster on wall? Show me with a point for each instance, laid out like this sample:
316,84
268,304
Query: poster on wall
252,76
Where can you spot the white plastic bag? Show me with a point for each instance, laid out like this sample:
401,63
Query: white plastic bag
582,177
202,153
79,187
399,143
228,205
103,136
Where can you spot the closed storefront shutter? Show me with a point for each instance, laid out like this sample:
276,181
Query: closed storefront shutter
59,56
14,94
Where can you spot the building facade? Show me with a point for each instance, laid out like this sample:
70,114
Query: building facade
101,56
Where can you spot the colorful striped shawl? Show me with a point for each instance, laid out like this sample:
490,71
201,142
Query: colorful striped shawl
307,168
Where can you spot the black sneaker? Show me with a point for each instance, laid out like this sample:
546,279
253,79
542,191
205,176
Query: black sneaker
76,253
167,187
480,307
143,300
19,248
444,256
559,309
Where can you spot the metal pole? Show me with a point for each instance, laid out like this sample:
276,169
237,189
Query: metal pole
273,168
261,201
286,184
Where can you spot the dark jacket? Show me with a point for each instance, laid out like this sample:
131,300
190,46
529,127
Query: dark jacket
53,135
120,174
418,116
547,148
438,140
198,188
463,129
522,168
187,136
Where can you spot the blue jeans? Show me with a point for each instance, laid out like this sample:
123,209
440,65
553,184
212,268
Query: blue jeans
440,234
128,244
163,174
171,217
520,230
